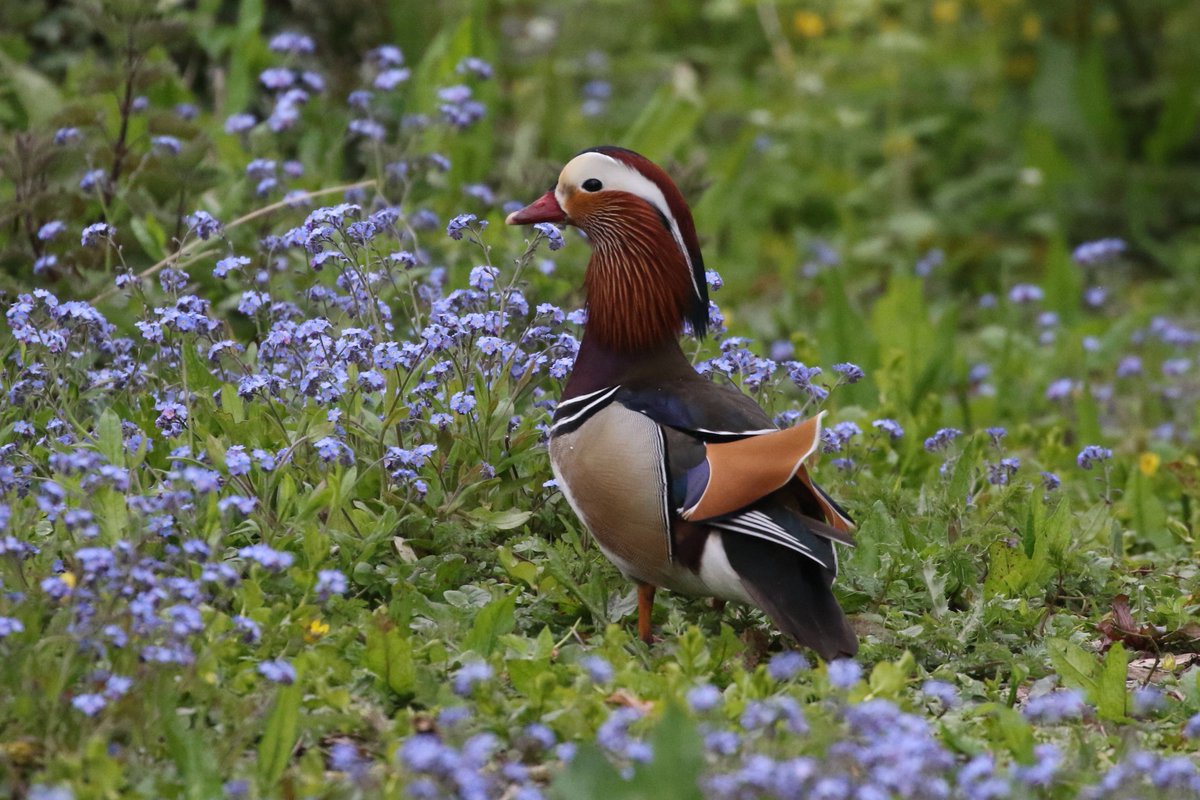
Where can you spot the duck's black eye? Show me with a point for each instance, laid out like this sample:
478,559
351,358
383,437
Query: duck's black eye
592,185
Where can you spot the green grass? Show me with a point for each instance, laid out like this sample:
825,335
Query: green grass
871,180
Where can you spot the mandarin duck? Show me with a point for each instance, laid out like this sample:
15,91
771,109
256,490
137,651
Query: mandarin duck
685,484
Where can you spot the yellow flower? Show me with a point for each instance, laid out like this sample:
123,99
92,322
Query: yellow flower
316,629
1148,463
69,579
808,24
945,11
1031,27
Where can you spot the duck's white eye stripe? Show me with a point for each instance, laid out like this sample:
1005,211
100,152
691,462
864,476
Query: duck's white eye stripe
616,175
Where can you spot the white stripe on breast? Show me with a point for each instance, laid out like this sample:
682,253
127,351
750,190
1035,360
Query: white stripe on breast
582,399
599,401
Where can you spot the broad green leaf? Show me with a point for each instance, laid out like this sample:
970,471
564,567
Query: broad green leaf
1056,532
388,656
279,737
525,675
1075,666
1177,122
241,80
678,760
1064,281
39,96
887,679
1014,732
902,325
845,336
1146,511
1095,99
150,236
524,571
1087,412
502,520
1024,571
112,513
192,755
589,776
667,120
232,403
109,438
493,621
1110,694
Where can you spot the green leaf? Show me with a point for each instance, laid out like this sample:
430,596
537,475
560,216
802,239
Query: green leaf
39,96
345,487
963,475
678,760
1110,685
1054,535
889,677
494,620
112,512
674,772
1075,666
502,520
192,755
524,571
907,337
279,737
232,403
241,80
1029,533
526,676
1064,281
845,336
589,776
109,439
1095,99
1146,511
1014,732
1087,412
150,235
388,656
1024,571
666,121
1177,122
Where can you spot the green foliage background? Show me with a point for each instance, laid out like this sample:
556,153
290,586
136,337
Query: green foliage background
1001,133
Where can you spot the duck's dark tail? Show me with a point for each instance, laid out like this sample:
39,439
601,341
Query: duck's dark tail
795,592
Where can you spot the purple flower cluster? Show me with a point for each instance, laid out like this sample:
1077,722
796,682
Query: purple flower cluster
942,439
1091,455
1099,251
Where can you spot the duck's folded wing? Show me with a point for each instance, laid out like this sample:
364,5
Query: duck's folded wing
776,520
736,474
724,456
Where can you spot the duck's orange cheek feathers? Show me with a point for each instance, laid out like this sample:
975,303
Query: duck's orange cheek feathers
583,207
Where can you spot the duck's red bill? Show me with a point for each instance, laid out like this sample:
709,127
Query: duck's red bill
544,209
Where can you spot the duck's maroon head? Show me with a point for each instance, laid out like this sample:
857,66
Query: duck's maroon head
646,276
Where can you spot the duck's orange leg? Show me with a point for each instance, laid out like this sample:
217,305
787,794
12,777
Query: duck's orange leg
645,610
